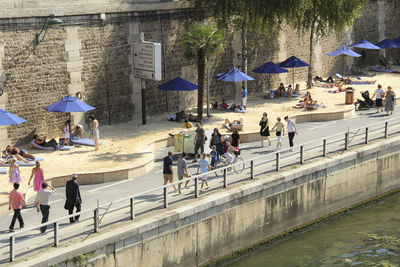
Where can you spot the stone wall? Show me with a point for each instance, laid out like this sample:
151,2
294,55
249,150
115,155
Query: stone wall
93,54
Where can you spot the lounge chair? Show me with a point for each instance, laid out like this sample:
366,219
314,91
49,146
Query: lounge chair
39,147
83,141
382,70
3,171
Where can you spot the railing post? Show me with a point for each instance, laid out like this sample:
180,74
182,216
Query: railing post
252,169
277,162
386,129
165,197
56,240
132,205
12,248
324,148
96,220
366,135
301,154
346,141
225,179
196,188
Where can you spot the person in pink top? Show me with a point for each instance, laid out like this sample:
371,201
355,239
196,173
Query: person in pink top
14,175
37,172
16,199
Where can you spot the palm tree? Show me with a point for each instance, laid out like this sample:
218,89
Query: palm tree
200,43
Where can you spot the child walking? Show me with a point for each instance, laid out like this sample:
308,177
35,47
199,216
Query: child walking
14,175
204,166
280,131
214,156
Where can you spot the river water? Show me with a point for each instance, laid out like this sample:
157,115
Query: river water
369,237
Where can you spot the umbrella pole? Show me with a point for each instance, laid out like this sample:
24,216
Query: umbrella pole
343,66
293,78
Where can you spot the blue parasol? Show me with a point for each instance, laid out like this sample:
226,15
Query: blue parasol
69,104
7,118
233,75
342,51
364,44
178,84
293,62
270,68
386,43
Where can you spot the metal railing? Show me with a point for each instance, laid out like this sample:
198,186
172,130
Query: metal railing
343,141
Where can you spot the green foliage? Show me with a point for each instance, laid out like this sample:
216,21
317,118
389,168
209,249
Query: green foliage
325,16
202,37
200,43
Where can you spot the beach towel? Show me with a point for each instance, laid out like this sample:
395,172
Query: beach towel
39,147
3,171
382,70
21,164
361,82
83,141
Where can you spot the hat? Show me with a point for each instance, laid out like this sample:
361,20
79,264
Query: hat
74,176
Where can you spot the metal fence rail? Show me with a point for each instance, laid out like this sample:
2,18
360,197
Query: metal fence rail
322,146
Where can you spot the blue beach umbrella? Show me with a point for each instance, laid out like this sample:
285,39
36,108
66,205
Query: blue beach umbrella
293,62
397,40
7,118
342,51
69,104
233,75
178,84
386,43
364,44
270,68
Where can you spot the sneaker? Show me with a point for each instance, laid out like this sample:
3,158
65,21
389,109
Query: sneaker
11,230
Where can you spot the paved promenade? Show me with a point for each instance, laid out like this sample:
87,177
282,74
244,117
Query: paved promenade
105,193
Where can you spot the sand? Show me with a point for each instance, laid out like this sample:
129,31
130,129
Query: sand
126,143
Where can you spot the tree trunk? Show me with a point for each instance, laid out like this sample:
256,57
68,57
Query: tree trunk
201,65
244,46
310,68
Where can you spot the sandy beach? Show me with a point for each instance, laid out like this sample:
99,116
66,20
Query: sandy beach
125,144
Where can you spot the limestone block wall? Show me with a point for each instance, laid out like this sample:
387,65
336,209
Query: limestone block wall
199,230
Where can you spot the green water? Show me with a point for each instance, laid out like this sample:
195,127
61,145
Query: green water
369,237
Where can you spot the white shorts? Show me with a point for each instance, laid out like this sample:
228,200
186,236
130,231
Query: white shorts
279,138
244,101
228,157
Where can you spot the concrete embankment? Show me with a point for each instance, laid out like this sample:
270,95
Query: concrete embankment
199,230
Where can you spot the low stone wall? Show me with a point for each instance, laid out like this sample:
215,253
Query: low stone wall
199,230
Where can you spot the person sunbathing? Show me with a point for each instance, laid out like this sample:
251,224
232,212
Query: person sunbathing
78,131
280,92
15,151
5,158
41,141
290,91
223,104
235,125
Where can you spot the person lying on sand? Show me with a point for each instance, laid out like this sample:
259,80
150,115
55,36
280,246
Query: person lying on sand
15,151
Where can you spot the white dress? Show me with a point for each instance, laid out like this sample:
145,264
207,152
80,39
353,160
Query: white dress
96,132
66,133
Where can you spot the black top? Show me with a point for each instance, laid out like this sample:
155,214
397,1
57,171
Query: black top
235,139
72,192
167,163
215,139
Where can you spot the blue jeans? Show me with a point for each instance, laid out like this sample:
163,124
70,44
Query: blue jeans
45,209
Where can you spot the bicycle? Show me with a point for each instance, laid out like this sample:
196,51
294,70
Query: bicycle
222,163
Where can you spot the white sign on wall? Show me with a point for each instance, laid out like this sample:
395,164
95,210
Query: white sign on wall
147,60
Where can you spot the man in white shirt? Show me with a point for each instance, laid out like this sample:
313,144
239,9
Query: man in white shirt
291,129
42,202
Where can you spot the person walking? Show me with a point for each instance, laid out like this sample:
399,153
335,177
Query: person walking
204,166
16,199
73,197
235,138
94,126
38,179
380,94
42,203
199,141
390,97
291,129
264,130
244,97
280,131
182,171
168,170
216,140
14,175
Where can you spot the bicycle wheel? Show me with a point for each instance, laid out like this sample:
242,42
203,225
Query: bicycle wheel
240,167
219,172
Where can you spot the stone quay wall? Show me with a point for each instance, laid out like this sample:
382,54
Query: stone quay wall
92,53
196,231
